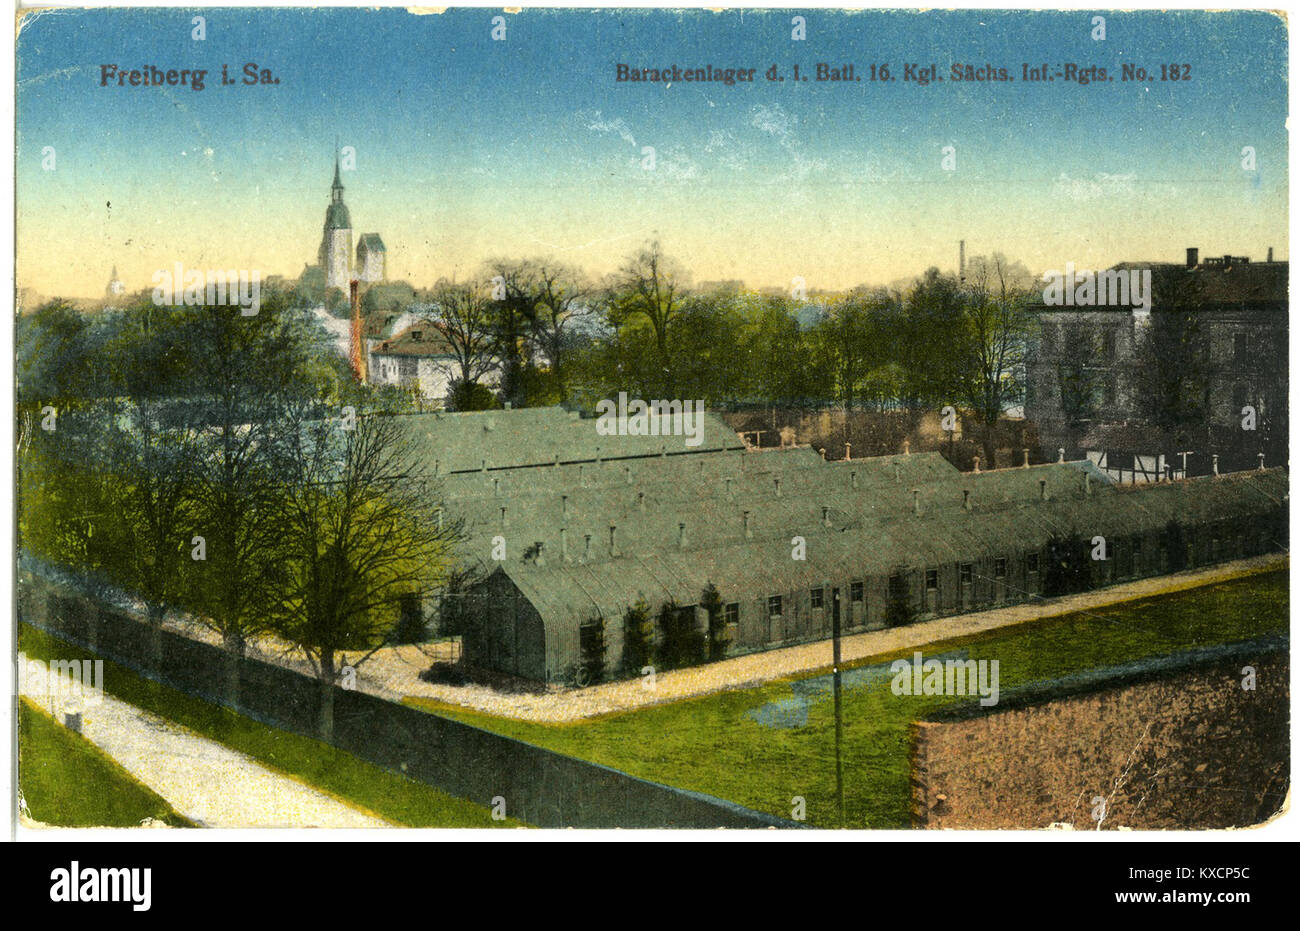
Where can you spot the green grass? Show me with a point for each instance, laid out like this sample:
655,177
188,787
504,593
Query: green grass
336,772
69,782
710,745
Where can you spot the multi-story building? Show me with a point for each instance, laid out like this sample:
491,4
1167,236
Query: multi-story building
1200,379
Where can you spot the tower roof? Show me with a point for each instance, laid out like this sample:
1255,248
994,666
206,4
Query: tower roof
337,217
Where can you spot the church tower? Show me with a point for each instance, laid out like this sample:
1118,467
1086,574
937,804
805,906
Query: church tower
336,243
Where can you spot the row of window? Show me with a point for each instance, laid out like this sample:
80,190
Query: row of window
966,574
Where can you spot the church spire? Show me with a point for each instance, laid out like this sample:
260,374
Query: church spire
336,188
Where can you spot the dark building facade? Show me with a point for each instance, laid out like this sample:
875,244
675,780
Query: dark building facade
1197,381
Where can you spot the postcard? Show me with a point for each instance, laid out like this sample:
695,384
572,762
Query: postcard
656,419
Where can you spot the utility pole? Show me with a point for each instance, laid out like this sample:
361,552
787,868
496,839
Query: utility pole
839,722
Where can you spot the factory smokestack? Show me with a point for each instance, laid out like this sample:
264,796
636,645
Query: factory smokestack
961,261
356,352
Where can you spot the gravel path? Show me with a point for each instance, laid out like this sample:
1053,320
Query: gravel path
394,672
208,783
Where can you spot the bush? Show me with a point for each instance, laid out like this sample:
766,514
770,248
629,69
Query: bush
719,635
592,635
683,642
638,637
471,396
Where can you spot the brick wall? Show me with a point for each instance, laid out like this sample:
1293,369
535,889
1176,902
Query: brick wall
1174,743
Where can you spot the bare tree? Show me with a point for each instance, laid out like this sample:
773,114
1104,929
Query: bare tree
996,333
468,324
649,286
363,530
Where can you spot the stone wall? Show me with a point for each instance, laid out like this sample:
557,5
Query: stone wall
1174,743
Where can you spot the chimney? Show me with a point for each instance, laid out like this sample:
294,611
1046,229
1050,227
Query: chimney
597,455
1060,454
916,501
823,452
556,463
586,550
1214,463
356,348
503,517
977,463
627,474
582,475
1193,257
1042,489
613,529
1026,452
564,505
482,465
961,261
1270,253
730,494
907,447
778,487
681,535
853,479
1261,461
496,486
745,522
564,544
848,450
640,501
538,559
965,499
826,516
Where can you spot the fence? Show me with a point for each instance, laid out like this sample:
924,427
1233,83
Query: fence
539,787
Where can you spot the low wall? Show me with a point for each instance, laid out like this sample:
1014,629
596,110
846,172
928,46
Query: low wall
540,787
1171,743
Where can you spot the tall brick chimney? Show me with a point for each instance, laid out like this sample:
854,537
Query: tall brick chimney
1193,257
357,351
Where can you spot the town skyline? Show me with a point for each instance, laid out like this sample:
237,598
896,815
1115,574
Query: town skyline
757,182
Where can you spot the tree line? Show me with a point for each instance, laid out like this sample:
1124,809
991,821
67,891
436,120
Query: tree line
227,466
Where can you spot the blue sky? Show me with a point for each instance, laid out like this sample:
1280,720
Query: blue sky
468,148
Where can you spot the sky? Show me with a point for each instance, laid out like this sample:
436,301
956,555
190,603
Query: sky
469,148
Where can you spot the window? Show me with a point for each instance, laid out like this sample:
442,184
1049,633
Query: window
815,597
774,606
967,572
931,580
731,613
1000,567
1031,563
855,592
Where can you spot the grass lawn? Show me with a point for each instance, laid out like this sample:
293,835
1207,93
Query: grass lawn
69,782
712,745
395,798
